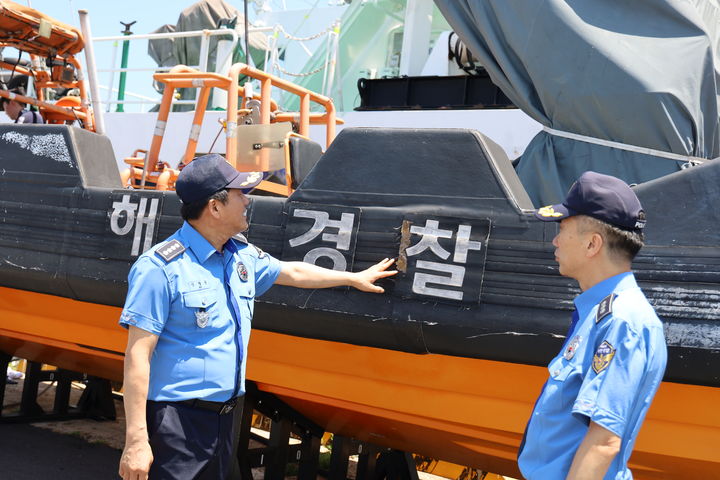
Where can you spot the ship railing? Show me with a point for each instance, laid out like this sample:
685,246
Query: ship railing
223,60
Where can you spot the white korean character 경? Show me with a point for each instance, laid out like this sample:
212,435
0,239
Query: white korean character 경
340,241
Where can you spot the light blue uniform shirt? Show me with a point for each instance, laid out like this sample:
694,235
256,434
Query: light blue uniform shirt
200,304
608,371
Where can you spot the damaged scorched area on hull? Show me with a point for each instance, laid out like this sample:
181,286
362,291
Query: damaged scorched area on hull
448,362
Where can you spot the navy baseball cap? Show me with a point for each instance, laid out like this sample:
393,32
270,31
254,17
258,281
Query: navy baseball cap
603,197
210,173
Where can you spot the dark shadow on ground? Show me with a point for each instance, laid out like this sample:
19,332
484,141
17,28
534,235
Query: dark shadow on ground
32,453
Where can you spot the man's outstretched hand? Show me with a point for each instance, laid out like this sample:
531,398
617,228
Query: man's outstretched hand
366,279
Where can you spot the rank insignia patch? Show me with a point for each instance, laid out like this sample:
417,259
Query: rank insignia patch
605,307
242,271
202,317
170,250
572,347
603,355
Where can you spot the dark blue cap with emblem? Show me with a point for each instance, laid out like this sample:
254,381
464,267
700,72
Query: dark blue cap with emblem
210,173
603,197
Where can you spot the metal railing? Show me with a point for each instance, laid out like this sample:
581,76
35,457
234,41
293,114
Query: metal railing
204,35
272,64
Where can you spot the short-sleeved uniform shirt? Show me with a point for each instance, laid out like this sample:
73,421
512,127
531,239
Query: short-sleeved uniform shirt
608,371
200,304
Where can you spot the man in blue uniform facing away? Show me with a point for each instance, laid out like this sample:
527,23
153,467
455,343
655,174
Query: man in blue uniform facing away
602,382
188,311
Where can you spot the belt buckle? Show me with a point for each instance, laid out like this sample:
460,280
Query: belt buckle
228,406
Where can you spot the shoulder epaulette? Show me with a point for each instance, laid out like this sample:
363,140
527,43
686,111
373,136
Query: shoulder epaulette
170,250
240,238
605,307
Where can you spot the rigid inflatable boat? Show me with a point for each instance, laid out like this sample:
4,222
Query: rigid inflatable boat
447,362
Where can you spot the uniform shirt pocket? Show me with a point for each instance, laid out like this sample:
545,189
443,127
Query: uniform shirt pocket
567,379
201,305
244,289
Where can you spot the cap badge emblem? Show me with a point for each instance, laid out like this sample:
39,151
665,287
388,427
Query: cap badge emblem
549,211
252,177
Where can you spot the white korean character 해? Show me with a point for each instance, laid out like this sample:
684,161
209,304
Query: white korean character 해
138,219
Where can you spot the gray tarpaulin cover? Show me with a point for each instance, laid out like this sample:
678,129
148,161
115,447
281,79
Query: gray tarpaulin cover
642,73
205,14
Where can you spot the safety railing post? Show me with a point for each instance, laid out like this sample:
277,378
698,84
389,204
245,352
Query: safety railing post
92,73
204,50
266,99
123,66
153,155
200,108
231,124
305,115
111,82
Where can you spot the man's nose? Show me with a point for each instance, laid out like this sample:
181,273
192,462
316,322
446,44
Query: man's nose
554,241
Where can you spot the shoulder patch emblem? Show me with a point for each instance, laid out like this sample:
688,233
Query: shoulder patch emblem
170,250
605,307
603,355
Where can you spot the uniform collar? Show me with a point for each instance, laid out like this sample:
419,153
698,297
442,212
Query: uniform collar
197,243
587,300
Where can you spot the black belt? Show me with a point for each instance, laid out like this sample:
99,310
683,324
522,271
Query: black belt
218,407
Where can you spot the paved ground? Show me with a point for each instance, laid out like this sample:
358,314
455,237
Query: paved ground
73,449
81,449
28,452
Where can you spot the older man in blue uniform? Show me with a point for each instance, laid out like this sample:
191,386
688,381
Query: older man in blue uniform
188,310
602,382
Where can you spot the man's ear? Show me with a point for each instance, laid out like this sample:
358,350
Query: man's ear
212,207
594,245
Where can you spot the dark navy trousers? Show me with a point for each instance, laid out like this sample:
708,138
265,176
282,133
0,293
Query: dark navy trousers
189,443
